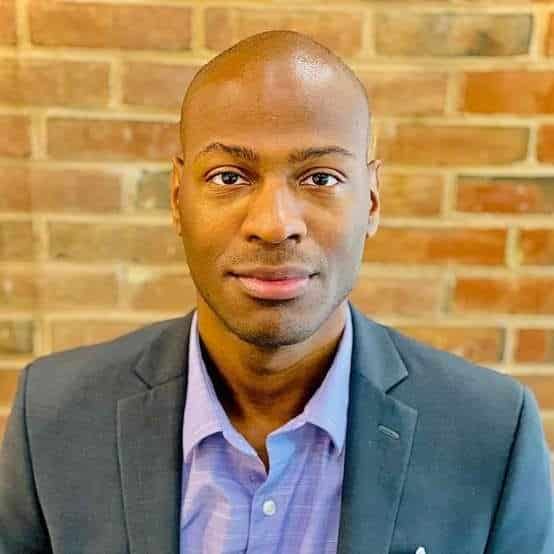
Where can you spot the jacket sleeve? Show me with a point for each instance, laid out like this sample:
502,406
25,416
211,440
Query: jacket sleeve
22,526
524,520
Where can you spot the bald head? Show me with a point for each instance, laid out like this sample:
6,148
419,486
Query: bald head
276,63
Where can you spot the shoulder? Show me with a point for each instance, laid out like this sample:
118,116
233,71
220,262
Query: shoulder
104,368
455,395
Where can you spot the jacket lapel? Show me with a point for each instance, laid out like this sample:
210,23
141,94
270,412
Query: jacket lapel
149,440
378,442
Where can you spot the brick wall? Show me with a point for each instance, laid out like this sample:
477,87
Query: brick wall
464,97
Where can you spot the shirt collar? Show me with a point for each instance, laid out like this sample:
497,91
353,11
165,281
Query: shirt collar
327,408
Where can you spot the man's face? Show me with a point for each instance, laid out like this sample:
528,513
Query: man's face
274,174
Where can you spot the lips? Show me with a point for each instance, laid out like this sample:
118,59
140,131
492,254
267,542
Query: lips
273,283
274,289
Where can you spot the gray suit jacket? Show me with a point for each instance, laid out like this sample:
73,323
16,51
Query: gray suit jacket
440,453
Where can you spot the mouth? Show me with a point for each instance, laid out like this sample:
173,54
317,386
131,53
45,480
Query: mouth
274,289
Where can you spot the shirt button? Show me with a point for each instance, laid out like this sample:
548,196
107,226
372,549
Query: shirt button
269,507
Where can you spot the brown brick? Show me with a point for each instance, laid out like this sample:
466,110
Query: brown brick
94,242
511,295
549,45
15,136
8,33
153,191
16,241
94,139
18,290
218,28
161,292
436,246
16,337
8,386
54,288
411,33
545,146
156,85
405,93
53,82
410,195
3,423
452,145
110,25
478,344
514,92
68,334
399,296
537,246
327,27
535,346
542,387
506,195
74,290
548,425
59,190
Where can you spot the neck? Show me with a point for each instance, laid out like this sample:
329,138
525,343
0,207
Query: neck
269,387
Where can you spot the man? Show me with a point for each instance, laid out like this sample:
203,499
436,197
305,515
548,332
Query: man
275,417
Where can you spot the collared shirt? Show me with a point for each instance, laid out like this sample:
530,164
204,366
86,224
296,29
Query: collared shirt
229,502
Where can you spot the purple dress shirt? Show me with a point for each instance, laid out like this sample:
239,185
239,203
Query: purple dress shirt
230,504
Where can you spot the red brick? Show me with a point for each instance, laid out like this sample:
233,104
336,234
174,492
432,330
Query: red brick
8,33
100,25
327,27
535,346
411,33
161,292
511,295
16,337
58,190
543,388
53,82
545,146
156,85
410,195
436,246
16,241
506,195
495,92
99,242
398,296
478,344
8,386
405,93
54,288
95,139
537,246
68,334
452,145
15,136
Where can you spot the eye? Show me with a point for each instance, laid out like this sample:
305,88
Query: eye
227,178
321,179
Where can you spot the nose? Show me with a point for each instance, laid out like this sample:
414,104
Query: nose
274,214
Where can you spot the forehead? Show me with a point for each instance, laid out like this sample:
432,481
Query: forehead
288,101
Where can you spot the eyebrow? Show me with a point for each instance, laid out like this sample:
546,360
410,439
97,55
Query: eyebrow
296,156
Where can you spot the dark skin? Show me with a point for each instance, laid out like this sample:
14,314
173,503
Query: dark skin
273,171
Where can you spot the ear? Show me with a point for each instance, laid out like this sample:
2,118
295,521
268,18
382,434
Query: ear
374,168
174,189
